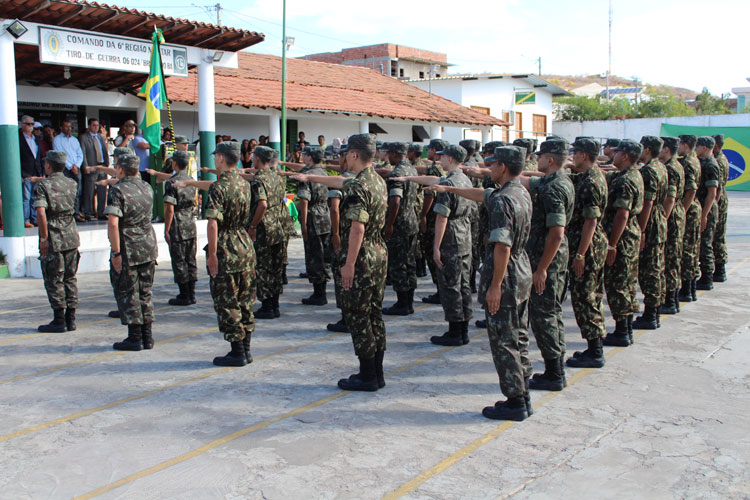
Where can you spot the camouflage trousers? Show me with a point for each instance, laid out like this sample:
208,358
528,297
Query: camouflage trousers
673,249
455,288
707,263
691,243
651,274
60,281
476,246
315,263
234,296
586,296
362,308
402,267
546,315
336,272
132,287
184,265
269,264
508,332
426,240
620,281
720,234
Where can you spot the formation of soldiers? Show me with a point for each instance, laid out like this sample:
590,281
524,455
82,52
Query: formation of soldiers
533,223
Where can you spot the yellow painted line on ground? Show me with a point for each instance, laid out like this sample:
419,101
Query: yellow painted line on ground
47,305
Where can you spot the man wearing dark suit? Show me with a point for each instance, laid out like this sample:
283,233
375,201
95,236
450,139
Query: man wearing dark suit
31,166
94,154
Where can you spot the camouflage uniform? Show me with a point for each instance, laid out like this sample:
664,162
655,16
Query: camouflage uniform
720,233
182,232
338,193
402,268
691,242
318,225
268,185
428,237
675,225
651,261
57,195
710,177
233,287
132,200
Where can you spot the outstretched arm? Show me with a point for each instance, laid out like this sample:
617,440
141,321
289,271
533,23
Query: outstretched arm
473,194
333,181
202,185
425,180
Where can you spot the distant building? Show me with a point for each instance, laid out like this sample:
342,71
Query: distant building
389,59
743,97
590,90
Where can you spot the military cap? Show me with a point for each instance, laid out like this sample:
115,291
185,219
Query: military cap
671,143
612,143
343,149
437,144
629,146
264,153
469,145
56,156
554,146
228,147
383,146
128,160
398,148
378,144
458,153
490,146
588,145
653,143
719,139
510,155
553,137
181,156
181,139
361,142
415,148
689,139
707,141
527,144
315,153
122,151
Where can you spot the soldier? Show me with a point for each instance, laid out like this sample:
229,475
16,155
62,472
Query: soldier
315,222
707,195
505,282
553,197
720,234
179,230
133,252
609,151
624,204
691,242
675,215
230,257
400,231
266,230
362,260
427,217
653,226
471,146
54,201
414,155
528,145
588,250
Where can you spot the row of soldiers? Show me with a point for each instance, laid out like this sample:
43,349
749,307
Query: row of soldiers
525,223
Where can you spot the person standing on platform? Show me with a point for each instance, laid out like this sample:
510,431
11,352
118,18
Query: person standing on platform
31,166
95,155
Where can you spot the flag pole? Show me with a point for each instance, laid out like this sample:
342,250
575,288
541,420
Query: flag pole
283,82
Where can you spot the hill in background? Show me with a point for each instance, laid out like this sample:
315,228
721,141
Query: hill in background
569,82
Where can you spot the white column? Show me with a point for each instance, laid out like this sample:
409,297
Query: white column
436,132
485,136
364,127
206,99
274,130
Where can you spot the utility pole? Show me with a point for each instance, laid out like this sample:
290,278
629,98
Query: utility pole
283,81
218,14
609,62
540,65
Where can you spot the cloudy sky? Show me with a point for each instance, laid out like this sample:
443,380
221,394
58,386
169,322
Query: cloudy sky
686,43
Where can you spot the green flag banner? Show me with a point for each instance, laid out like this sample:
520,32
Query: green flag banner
156,97
736,148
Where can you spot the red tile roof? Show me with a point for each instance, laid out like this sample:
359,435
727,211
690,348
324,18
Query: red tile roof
326,87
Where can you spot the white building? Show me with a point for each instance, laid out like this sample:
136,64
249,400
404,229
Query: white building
743,97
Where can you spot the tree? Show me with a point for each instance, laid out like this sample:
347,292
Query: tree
653,104
707,104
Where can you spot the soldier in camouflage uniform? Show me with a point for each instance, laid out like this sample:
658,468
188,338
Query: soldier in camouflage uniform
117,152
230,257
414,155
707,195
720,234
133,258
315,221
427,217
473,160
653,226
179,230
400,231
675,214
624,204
528,145
609,150
54,200
691,242
588,250
266,229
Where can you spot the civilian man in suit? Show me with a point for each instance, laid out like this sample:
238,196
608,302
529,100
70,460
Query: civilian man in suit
95,154
31,166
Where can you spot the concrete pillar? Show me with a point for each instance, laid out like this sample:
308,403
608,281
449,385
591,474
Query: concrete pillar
10,161
364,127
485,136
436,132
274,132
206,116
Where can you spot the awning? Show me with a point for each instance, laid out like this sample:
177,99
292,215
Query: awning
377,129
419,133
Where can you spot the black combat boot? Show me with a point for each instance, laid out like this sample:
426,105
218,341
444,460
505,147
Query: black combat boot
114,314
705,283
365,380
465,332
379,368
561,360
235,357
146,336
303,274
432,299
450,338
57,325
318,298
684,294
693,289
512,409
720,273
647,320
133,342
619,337
266,311
551,379
527,396
339,326
473,281
630,329
669,306
183,298
410,301
401,307
658,317
677,300
246,347
481,323
421,268
593,357
276,311
191,292
284,279
70,319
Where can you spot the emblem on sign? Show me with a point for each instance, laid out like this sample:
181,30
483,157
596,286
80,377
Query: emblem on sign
53,43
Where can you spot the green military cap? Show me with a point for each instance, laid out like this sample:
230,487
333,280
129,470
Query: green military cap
398,148
706,140
653,143
56,156
719,139
127,160
181,139
629,146
588,145
264,153
228,147
468,145
343,149
689,139
612,143
510,155
361,142
437,144
122,151
557,146
415,148
181,156
490,146
383,146
458,153
671,143
315,153
527,144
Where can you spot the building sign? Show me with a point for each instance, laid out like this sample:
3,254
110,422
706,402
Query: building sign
526,97
92,50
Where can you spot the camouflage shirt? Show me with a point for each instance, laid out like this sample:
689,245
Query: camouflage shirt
318,214
625,192
183,199
406,219
692,172
590,203
228,203
364,200
435,170
553,197
336,192
457,237
57,195
721,159
676,180
268,185
710,177
510,222
655,185
132,201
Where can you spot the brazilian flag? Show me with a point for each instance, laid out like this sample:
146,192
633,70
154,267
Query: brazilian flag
156,96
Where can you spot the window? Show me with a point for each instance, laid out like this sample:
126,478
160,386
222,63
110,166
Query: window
421,75
394,68
539,125
519,125
481,109
437,76
401,72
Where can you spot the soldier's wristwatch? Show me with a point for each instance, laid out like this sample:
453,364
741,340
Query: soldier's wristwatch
580,256
610,248
114,254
